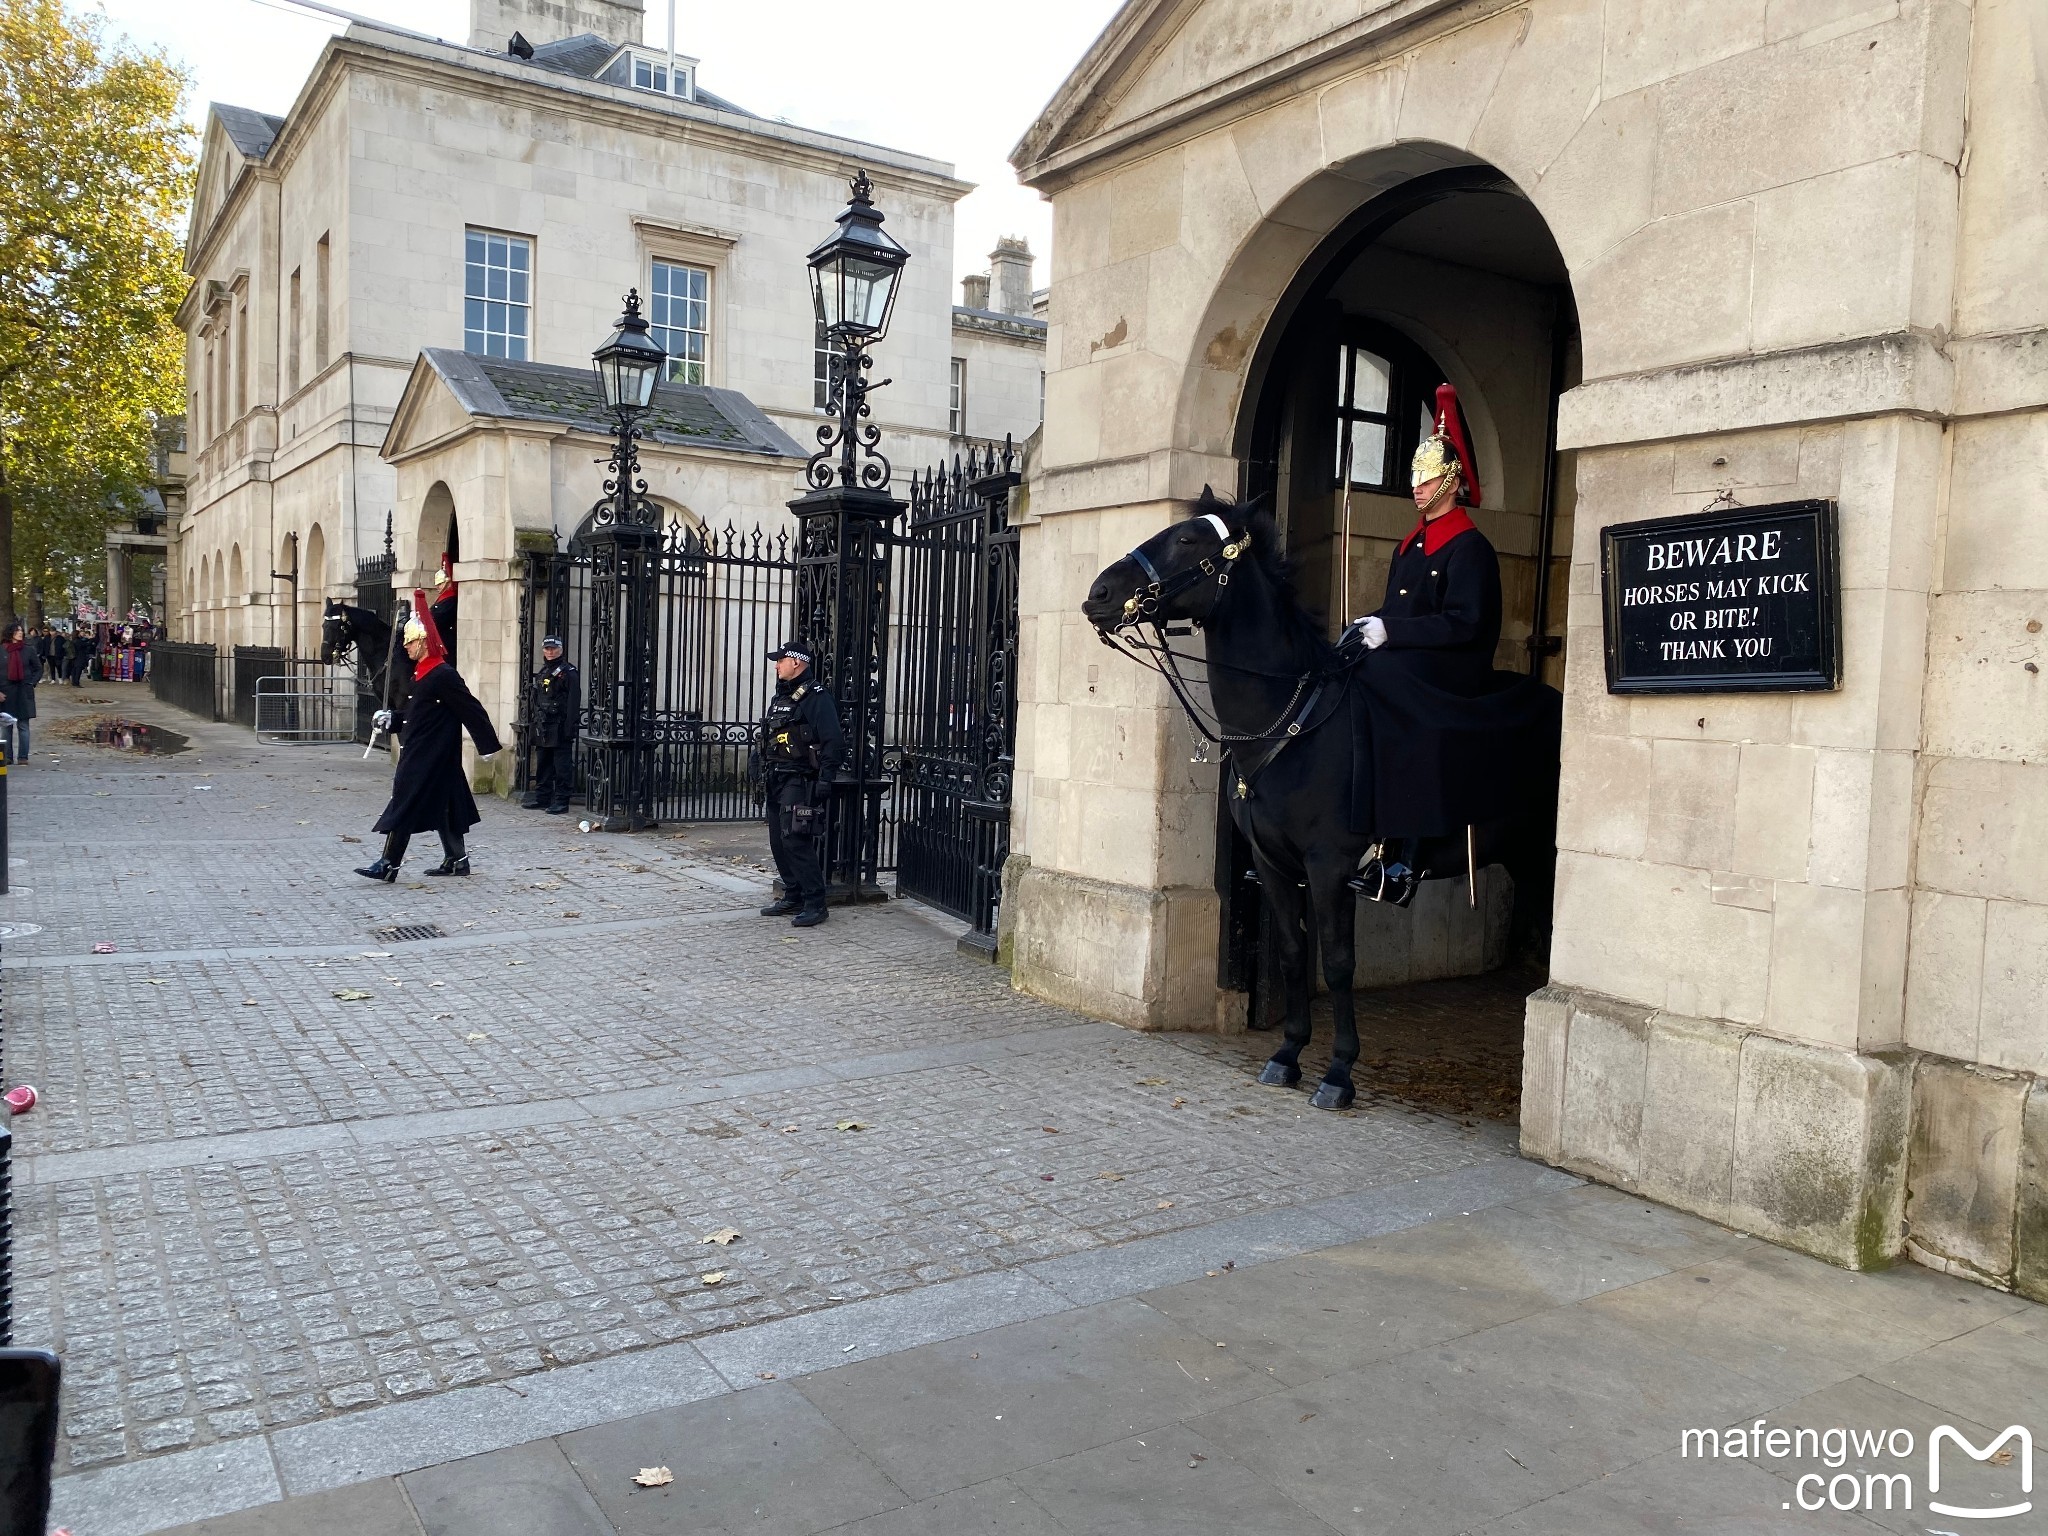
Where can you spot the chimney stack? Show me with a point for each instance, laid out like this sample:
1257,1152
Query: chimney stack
974,291
1009,266
492,22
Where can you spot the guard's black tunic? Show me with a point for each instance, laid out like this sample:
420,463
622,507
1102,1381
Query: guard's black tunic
1454,742
445,610
429,792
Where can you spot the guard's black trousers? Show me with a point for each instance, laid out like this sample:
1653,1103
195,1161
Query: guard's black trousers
554,778
796,859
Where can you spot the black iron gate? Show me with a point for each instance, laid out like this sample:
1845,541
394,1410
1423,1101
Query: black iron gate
953,688
373,592
720,603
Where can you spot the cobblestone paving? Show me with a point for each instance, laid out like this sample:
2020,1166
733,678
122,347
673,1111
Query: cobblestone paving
248,1290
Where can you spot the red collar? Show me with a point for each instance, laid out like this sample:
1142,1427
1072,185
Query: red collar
1436,534
423,666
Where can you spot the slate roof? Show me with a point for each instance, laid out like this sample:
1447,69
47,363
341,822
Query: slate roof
689,415
585,56
251,132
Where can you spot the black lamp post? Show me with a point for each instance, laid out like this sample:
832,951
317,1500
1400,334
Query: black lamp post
844,535
624,538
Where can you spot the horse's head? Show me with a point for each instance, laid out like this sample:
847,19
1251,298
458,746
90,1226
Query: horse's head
1180,572
336,638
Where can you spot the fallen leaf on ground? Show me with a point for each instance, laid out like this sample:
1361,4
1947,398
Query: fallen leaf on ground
654,1477
2002,1457
353,995
475,1034
850,1125
515,962
440,1016
1178,1102
1304,1418
347,839
1151,1082
1164,1205
1196,1458
572,914
1111,1178
789,1130
716,1277
765,1375
152,981
1050,1130
1045,1178
724,1236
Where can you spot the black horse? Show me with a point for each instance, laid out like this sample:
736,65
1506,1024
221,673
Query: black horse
359,636
1290,711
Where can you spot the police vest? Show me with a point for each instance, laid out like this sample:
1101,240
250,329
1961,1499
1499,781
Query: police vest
786,737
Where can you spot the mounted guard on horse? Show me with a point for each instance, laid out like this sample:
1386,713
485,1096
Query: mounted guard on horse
1395,756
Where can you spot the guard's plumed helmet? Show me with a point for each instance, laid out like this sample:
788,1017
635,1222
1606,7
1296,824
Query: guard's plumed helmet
421,626
1447,450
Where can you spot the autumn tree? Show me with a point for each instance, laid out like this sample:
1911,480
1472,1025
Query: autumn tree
95,178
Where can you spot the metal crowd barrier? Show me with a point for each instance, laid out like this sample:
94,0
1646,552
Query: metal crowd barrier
307,706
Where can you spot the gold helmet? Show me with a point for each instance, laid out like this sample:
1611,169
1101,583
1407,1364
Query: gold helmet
1446,451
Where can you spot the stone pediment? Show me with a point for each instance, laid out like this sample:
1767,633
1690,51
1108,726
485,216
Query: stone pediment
1159,54
235,139
451,392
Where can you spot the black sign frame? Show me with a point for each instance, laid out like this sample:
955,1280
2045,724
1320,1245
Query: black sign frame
1826,675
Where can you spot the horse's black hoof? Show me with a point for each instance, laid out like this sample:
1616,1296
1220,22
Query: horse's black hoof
1280,1074
1329,1095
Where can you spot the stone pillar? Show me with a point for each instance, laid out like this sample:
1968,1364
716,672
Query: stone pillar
117,582
974,290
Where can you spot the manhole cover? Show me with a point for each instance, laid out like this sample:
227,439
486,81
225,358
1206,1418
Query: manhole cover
19,930
399,933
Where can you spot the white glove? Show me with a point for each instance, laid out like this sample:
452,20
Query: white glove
381,720
1374,631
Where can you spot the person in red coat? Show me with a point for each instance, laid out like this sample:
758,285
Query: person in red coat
1451,737
429,791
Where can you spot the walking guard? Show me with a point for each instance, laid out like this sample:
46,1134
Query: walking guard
801,749
429,791
557,703
1450,735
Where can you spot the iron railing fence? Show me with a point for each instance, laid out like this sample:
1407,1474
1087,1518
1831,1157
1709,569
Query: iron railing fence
251,662
722,601
188,676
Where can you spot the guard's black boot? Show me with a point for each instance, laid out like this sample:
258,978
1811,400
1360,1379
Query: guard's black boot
1280,1074
531,802
558,810
810,917
782,907
451,866
1398,885
1329,1095
386,867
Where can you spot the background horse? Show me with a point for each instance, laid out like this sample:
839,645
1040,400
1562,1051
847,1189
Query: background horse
1291,713
367,640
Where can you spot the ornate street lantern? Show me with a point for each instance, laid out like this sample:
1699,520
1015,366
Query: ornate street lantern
629,363
855,270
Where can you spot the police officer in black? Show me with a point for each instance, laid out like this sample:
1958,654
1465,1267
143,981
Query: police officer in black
801,749
557,695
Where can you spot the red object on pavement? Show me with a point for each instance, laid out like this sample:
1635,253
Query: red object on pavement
20,1099
103,948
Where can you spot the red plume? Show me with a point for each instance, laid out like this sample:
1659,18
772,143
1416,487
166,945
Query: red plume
1451,422
424,616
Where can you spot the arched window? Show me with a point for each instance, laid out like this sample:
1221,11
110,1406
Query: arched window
1386,394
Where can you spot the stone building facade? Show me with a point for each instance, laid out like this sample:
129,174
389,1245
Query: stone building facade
997,386
1756,250
421,195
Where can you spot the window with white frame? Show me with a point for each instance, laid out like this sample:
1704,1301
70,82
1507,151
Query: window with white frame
956,402
497,295
679,311
824,368
652,75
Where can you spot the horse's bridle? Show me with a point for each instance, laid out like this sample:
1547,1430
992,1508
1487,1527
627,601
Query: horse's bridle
1143,605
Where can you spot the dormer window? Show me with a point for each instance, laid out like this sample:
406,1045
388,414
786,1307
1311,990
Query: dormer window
652,74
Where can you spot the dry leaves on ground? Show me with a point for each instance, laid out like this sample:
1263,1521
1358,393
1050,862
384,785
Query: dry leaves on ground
716,1277
353,995
654,1477
724,1236
850,1125
1108,1177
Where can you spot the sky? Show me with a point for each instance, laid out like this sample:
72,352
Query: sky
958,82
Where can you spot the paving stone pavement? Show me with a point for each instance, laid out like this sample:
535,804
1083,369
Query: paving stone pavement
250,1207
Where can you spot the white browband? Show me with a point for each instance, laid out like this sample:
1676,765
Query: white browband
1222,528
